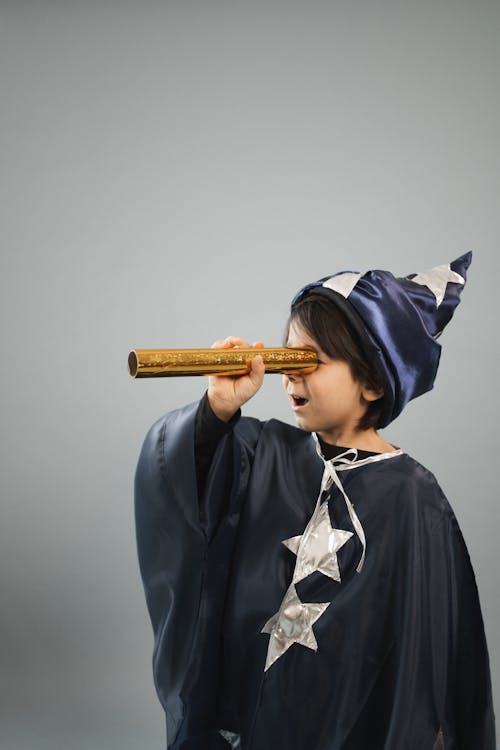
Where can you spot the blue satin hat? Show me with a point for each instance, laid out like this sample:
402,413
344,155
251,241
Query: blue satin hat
398,321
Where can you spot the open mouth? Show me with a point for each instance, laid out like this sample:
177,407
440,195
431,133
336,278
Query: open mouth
298,401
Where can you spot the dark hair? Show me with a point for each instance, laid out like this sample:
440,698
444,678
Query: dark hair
330,328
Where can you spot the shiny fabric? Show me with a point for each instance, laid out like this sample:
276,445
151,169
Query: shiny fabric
292,624
401,660
398,321
317,547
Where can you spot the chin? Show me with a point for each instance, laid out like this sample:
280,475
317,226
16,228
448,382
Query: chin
304,424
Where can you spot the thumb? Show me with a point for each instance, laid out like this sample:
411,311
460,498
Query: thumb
258,370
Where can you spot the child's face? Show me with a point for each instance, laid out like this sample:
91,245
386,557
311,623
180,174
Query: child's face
328,400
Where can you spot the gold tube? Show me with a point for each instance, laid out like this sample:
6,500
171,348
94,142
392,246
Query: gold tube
168,363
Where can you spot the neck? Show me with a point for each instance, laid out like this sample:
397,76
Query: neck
363,440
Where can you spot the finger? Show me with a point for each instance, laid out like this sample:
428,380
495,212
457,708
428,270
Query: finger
223,343
257,369
236,341
258,345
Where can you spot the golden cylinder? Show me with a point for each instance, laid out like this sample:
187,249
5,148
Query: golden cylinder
171,363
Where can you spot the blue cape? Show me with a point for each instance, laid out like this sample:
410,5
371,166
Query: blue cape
401,661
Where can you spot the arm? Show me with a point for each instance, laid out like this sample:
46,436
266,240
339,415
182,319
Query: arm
185,559
209,431
218,413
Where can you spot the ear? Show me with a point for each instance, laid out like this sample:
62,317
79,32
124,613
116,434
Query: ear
369,394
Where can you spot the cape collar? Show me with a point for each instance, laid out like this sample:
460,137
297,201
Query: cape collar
350,458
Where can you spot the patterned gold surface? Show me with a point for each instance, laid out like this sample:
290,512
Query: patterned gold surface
164,363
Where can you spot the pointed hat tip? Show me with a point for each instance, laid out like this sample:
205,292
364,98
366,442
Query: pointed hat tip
461,264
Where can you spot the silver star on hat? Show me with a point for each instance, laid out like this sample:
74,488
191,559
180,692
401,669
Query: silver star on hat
343,283
292,624
437,280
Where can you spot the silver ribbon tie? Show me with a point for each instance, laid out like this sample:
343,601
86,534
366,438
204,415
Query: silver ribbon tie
330,477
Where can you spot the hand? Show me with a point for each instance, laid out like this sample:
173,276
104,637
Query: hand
227,393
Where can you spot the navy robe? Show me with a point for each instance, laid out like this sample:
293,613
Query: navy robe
401,660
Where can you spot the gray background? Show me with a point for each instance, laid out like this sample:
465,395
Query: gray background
171,173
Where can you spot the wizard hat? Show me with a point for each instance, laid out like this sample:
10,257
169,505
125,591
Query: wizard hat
397,322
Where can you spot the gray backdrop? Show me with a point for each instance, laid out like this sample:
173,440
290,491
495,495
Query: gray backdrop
171,173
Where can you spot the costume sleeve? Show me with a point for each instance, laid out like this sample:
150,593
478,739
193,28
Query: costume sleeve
470,676
441,654
184,561
209,431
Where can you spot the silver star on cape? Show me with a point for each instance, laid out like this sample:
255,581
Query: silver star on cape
292,624
317,547
437,280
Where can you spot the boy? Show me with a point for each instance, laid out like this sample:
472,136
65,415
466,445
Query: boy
309,588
